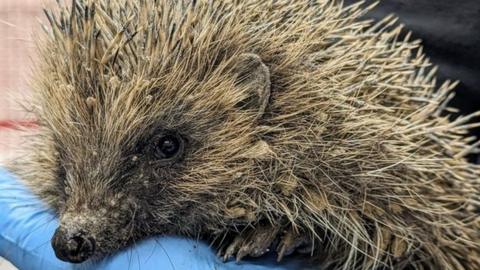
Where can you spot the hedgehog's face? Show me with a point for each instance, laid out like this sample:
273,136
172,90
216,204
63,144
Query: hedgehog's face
154,158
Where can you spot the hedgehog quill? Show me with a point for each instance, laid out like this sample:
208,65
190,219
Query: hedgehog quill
295,126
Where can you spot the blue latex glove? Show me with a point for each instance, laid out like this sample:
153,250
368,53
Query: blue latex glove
26,227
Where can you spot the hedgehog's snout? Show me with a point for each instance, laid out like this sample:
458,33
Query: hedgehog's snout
74,247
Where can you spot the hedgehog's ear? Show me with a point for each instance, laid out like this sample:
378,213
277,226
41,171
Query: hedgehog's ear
253,76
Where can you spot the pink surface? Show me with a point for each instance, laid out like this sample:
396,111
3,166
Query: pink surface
18,21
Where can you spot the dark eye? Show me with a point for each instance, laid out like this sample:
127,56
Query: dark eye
168,146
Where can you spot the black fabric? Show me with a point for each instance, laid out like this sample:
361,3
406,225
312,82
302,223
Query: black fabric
450,34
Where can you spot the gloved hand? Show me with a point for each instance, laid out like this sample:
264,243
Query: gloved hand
26,227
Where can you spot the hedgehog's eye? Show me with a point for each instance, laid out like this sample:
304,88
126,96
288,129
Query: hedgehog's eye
168,146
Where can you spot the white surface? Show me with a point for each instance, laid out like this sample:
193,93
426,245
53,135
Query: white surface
4,265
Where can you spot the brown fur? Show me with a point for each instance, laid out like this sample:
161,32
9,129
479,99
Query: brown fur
301,120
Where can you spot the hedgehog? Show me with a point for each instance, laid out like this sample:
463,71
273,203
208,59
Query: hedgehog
293,127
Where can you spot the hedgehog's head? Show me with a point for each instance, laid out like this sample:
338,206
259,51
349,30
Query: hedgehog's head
152,155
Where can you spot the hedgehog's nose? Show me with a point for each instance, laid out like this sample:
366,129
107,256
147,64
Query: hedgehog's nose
74,248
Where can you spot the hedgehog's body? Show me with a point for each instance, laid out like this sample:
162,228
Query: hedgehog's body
244,117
